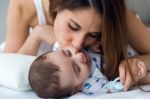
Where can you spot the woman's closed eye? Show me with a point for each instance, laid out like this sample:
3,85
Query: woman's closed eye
95,35
74,28
73,25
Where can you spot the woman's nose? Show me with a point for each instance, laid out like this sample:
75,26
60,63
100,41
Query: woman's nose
78,42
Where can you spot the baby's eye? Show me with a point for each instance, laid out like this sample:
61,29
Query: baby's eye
77,68
66,52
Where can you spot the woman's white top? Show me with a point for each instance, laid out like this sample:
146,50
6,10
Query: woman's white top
44,47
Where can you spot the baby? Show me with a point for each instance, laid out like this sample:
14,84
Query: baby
64,72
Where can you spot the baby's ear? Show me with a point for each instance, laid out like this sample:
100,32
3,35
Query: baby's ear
76,89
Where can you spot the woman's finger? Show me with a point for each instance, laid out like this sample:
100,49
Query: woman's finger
128,82
122,73
142,68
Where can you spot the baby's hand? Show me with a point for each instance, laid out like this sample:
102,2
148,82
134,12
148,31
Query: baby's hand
137,68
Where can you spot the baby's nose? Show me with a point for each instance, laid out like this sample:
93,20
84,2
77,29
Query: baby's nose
72,50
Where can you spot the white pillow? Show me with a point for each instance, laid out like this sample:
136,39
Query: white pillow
14,69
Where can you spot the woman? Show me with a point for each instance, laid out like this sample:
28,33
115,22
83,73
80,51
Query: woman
81,23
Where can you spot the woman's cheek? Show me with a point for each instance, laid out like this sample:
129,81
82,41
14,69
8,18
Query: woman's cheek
63,34
64,39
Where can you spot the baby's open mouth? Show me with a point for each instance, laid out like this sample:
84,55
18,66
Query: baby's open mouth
86,57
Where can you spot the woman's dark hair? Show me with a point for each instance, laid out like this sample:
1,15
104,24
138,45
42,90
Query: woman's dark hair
114,41
59,5
114,28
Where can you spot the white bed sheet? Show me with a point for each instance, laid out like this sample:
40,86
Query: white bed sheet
134,94
6,93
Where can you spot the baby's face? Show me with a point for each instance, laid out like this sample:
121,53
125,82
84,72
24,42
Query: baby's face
74,66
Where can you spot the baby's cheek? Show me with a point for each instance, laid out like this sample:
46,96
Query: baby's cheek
88,71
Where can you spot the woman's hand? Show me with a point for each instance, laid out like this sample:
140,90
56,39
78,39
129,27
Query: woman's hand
137,68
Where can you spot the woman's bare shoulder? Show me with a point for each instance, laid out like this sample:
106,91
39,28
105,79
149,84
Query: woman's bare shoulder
138,34
25,8
23,5
21,2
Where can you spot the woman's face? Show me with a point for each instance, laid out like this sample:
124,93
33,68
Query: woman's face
77,28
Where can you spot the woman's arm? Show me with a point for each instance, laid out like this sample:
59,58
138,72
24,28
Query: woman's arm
39,33
146,60
31,45
139,38
138,34
140,68
146,79
18,20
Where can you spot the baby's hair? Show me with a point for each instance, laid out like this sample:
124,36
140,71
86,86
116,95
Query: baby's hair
44,79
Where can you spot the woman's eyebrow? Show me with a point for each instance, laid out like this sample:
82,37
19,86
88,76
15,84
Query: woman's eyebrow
75,23
97,33
80,26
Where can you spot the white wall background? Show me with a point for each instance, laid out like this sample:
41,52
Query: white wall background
142,7
3,12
